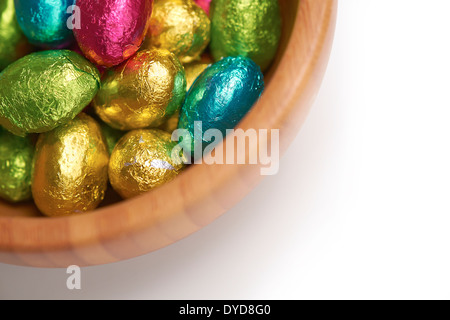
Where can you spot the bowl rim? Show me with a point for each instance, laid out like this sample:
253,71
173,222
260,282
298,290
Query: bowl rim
200,194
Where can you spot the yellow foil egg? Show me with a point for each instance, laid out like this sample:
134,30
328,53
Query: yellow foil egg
70,168
179,26
141,161
142,92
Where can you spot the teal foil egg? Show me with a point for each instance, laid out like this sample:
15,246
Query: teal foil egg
44,22
219,99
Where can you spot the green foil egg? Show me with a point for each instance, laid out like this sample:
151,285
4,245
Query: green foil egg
13,43
112,136
16,158
249,28
44,90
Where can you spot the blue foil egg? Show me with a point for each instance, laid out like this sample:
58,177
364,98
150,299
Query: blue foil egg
44,22
219,99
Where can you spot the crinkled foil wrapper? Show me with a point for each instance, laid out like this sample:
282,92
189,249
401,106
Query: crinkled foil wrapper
44,90
221,97
250,28
179,26
16,159
112,31
71,168
13,43
142,92
44,22
142,161
193,70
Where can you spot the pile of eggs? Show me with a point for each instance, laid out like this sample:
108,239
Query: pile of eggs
91,91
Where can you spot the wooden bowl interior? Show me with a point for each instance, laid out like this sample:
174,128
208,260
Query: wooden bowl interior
28,209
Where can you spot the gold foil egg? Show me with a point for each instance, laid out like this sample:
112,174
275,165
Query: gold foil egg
179,26
141,161
142,92
70,168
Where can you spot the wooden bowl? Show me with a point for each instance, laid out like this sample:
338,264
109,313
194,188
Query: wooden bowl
124,229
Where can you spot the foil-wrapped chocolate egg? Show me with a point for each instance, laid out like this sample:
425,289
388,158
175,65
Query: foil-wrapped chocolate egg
16,159
45,89
204,4
143,91
142,160
70,168
179,26
193,70
250,28
112,31
13,43
220,97
45,22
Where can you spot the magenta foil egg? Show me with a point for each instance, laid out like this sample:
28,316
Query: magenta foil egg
111,31
205,4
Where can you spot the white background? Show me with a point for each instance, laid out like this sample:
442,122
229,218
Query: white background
360,208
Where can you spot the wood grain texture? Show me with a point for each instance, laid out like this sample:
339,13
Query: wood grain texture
126,229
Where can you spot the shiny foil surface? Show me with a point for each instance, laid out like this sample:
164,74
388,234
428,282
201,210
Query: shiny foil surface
179,26
221,96
193,70
204,4
143,91
250,28
71,168
13,43
142,161
45,89
44,22
16,159
111,30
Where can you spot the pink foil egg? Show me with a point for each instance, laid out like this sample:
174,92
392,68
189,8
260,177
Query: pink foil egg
111,31
205,4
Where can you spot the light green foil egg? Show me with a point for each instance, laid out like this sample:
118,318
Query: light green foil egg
13,43
44,90
16,158
249,28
